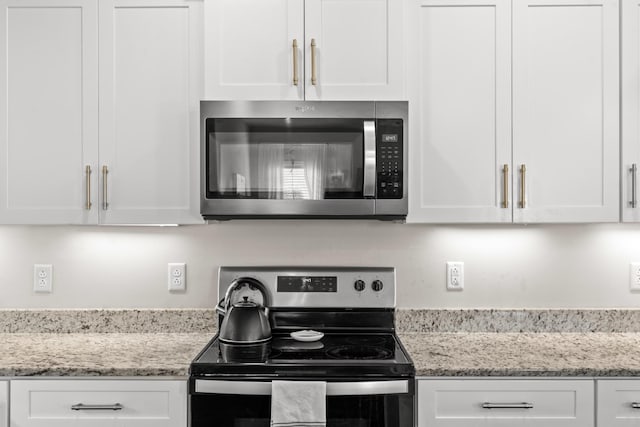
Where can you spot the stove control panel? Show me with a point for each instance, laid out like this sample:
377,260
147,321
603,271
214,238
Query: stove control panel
319,287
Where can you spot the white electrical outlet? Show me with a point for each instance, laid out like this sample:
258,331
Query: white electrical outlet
177,276
42,278
634,276
455,276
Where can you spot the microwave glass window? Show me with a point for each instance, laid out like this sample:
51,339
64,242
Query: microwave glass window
285,158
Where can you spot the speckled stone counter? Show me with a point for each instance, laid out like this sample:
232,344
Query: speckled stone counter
102,342
148,342
592,354
104,354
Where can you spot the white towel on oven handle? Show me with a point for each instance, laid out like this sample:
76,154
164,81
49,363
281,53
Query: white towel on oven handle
298,404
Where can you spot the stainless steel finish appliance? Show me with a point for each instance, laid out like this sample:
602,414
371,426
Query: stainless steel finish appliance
369,376
304,159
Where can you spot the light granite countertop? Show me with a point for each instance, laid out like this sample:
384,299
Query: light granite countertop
139,342
99,354
592,354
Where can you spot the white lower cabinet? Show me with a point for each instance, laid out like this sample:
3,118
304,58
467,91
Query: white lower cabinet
98,403
505,403
4,403
618,403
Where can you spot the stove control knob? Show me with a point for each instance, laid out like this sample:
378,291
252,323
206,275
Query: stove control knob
359,285
377,285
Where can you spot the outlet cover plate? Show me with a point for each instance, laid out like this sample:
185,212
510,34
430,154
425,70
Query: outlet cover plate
177,276
455,275
43,278
634,277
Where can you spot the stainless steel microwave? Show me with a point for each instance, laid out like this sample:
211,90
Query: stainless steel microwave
303,159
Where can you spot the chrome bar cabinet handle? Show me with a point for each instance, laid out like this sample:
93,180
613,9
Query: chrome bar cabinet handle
516,405
314,77
105,190
505,186
295,62
523,176
83,407
635,405
87,172
634,173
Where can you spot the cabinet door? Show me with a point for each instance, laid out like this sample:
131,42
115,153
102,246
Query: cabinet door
128,403
630,109
460,115
150,87
565,110
249,52
618,403
48,111
505,403
4,404
358,49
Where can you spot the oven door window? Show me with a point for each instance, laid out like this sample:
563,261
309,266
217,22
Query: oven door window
298,159
342,411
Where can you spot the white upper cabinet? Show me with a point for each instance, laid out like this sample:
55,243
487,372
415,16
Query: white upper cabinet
514,113
150,88
565,110
358,49
141,166
303,49
460,115
249,49
630,109
48,111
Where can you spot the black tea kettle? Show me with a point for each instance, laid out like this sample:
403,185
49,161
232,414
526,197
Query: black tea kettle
245,321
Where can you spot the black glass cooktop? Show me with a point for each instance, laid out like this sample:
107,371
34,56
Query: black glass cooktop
334,354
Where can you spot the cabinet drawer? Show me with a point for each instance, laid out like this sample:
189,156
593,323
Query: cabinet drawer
618,403
143,403
547,403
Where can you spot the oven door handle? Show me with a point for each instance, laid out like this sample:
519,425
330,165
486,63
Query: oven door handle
263,388
369,188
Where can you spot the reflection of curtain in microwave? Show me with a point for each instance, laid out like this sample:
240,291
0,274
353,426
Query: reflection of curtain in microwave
270,169
339,166
312,159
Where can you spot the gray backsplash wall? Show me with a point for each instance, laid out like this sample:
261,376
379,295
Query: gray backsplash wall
508,266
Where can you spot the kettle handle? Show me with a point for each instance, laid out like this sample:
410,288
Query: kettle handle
221,309
234,284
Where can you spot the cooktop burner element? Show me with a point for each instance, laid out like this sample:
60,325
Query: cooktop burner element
359,352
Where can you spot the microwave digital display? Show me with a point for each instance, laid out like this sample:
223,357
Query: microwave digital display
390,137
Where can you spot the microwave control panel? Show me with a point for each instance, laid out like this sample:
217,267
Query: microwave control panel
389,159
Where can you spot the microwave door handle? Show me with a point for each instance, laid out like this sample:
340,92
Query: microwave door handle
263,388
369,187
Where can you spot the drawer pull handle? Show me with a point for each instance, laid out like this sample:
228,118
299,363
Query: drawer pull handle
83,407
518,405
635,405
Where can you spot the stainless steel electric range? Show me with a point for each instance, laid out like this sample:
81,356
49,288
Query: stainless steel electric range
331,324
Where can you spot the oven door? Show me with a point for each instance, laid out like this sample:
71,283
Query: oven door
239,403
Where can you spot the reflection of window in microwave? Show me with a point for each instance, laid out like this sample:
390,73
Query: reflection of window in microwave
287,171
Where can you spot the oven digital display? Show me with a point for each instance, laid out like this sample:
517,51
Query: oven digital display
307,284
